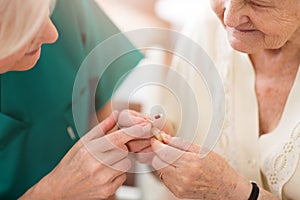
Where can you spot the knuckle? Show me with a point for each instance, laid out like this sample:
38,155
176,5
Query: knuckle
116,138
124,165
194,164
122,178
145,157
106,191
156,163
104,179
83,152
124,148
179,192
104,194
110,190
121,152
163,154
186,179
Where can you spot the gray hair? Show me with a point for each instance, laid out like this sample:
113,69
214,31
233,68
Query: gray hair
19,22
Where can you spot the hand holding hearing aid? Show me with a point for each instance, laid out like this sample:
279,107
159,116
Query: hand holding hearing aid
142,146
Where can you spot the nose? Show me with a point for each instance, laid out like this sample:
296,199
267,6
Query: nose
49,34
235,13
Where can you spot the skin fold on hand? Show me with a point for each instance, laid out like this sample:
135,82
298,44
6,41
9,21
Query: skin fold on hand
94,168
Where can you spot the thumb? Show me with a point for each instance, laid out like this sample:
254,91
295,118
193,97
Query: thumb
102,128
165,152
125,135
129,118
180,143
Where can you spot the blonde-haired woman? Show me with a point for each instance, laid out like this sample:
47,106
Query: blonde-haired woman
24,27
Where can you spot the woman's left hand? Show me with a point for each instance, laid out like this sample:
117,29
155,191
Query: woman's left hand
141,147
187,175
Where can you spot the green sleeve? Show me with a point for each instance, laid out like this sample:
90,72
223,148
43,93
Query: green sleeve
95,28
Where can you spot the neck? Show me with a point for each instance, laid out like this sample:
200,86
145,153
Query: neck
278,61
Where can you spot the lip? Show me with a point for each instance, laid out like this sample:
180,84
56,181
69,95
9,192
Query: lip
245,30
31,53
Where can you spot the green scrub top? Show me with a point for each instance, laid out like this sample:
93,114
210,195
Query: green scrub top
36,105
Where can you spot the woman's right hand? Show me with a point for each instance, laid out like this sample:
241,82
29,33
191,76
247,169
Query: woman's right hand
94,168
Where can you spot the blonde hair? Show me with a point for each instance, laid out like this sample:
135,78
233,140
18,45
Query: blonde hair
19,22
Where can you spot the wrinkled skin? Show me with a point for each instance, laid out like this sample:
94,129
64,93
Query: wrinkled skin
254,25
189,176
94,168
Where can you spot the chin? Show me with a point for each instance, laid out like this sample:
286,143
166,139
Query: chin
26,67
18,68
23,66
244,47
27,63
246,42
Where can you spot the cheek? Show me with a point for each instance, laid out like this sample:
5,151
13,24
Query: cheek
278,33
218,6
9,63
279,24
19,55
26,62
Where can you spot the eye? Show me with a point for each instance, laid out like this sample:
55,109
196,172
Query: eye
259,4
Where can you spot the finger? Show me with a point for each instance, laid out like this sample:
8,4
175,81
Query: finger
117,169
117,139
129,118
139,131
118,181
110,188
159,165
180,143
103,144
106,152
112,156
166,153
103,127
123,165
138,145
145,156
125,135
146,150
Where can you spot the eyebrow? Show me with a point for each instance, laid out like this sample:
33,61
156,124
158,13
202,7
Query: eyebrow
263,1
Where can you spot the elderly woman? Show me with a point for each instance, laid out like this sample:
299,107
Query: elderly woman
260,141
28,148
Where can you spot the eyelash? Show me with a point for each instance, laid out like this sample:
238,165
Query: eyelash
259,5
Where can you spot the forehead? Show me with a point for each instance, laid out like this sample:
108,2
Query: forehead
264,1
278,3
